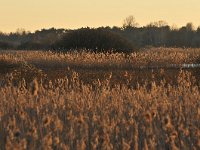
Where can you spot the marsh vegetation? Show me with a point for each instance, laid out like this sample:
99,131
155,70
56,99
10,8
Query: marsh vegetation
99,101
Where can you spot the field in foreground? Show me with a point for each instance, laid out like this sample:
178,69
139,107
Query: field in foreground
86,110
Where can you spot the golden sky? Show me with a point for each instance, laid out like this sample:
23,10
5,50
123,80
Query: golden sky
37,14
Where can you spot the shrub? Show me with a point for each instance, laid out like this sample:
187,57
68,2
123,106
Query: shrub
31,45
5,45
97,40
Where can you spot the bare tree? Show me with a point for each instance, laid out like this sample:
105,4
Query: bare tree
129,22
160,23
190,26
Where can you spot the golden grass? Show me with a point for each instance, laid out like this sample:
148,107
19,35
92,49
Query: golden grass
145,57
69,114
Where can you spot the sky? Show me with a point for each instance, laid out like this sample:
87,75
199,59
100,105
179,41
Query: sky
71,14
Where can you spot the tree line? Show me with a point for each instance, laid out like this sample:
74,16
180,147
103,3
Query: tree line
125,38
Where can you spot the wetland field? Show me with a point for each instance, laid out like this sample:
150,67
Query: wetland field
148,99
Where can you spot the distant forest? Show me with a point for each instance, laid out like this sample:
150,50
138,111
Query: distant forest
126,38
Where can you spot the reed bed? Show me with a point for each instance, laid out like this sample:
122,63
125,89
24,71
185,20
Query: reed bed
66,114
106,113
144,57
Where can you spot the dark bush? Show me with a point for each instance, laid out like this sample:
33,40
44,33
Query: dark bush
31,46
5,45
97,40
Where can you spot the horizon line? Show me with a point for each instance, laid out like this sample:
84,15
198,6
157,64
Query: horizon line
175,26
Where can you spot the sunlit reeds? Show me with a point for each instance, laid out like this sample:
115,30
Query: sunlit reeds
67,113
71,115
146,57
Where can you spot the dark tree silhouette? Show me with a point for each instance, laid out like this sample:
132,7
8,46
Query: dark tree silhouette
121,39
98,40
